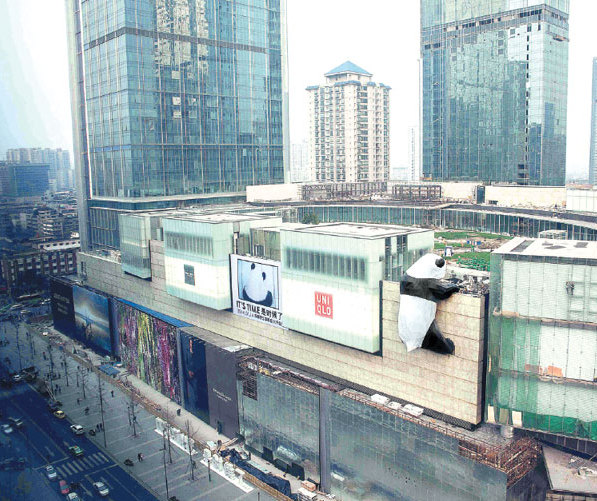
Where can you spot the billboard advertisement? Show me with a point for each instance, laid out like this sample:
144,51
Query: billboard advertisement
193,375
63,308
223,399
92,319
256,289
148,349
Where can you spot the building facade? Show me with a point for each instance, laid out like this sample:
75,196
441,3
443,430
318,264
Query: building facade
173,101
23,179
349,127
494,90
300,171
542,343
593,157
61,175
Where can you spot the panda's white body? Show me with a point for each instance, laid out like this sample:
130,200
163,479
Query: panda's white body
415,318
257,284
417,314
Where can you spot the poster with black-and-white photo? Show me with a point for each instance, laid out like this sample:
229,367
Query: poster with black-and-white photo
256,289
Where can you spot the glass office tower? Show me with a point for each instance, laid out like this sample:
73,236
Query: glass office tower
593,158
494,90
174,102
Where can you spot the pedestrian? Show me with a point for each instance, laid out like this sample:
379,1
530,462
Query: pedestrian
112,392
78,401
139,457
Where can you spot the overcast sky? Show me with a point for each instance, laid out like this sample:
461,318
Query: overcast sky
382,36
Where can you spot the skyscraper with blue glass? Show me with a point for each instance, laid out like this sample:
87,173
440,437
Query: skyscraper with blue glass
174,102
494,90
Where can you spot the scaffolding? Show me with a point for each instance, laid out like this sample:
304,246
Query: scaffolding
542,367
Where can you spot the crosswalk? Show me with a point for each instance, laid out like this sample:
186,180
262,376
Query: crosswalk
80,464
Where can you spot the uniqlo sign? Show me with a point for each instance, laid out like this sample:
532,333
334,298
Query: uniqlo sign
324,305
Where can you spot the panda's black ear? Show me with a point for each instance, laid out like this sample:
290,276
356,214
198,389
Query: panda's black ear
252,266
263,275
439,262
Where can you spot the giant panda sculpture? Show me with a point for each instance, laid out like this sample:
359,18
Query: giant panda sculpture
256,287
421,288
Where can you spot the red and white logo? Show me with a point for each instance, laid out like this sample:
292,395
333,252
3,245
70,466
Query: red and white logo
324,305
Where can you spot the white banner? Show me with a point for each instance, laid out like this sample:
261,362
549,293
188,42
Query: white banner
256,289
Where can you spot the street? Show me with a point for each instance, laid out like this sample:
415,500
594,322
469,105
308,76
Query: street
123,429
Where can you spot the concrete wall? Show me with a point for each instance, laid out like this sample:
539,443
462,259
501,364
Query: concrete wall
446,384
526,196
459,191
274,192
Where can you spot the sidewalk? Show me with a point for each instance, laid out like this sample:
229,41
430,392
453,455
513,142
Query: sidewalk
161,406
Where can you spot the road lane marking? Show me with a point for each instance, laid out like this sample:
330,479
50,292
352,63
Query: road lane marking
122,485
100,454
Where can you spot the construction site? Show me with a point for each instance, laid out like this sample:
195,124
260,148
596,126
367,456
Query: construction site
356,444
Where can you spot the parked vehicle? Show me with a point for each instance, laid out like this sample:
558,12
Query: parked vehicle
63,487
60,414
51,473
16,422
7,429
75,450
77,429
73,496
101,488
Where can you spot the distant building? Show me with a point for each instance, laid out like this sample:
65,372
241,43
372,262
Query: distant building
22,180
349,127
61,174
300,170
593,158
55,224
22,266
494,90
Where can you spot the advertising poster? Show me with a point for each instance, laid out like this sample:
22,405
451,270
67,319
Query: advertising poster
194,375
63,308
148,349
256,289
92,319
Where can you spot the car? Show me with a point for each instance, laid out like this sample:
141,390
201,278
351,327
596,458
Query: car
53,405
101,488
77,429
17,378
73,496
75,450
7,429
60,414
16,422
44,333
51,473
63,487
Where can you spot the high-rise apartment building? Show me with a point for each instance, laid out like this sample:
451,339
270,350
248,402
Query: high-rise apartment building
174,102
494,89
593,158
61,175
349,127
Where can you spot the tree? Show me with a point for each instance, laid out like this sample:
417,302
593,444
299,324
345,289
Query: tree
311,218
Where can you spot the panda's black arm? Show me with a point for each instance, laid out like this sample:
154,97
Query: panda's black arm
442,289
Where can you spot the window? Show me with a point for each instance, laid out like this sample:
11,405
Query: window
189,274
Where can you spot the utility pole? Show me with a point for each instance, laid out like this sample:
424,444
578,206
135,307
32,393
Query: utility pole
18,346
133,420
165,472
101,399
31,347
83,381
189,441
65,366
51,364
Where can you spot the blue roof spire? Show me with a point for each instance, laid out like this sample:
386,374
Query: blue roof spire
348,67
